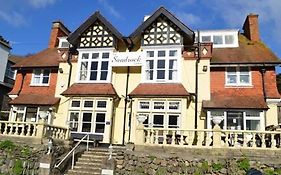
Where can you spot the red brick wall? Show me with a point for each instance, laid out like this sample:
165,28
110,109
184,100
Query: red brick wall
28,89
218,83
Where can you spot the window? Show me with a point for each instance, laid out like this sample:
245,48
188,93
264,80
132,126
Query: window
94,66
217,39
206,38
161,65
10,73
41,77
229,39
88,115
238,76
159,115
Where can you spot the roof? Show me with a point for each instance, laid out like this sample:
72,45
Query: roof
247,52
74,37
159,89
5,42
92,89
47,58
187,31
15,58
221,101
34,99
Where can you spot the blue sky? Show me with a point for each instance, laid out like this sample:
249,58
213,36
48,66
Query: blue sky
26,23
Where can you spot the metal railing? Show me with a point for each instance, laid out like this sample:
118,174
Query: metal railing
72,151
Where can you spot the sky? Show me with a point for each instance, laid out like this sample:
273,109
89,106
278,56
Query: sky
27,23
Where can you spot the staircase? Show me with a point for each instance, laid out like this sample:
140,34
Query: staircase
90,162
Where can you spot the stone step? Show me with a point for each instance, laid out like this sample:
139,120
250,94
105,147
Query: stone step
88,168
83,172
87,163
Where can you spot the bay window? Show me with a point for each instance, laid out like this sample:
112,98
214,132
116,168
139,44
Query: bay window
238,76
94,66
161,65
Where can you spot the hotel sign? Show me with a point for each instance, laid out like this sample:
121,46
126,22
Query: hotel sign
126,59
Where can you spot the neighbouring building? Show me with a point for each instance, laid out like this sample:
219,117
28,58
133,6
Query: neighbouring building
98,81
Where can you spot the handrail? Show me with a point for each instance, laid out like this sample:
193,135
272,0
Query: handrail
73,152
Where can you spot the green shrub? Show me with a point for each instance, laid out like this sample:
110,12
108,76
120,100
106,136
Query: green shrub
7,145
26,151
244,164
17,169
161,171
217,166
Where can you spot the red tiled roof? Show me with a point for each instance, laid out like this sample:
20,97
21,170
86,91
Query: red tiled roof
47,58
235,102
95,89
34,99
159,89
247,52
15,58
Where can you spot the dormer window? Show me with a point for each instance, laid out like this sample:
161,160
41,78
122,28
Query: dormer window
63,43
94,66
161,65
40,77
10,73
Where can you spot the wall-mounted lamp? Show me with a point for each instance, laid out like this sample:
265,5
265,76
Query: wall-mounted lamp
205,68
60,70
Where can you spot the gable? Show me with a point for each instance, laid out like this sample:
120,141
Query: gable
96,35
162,31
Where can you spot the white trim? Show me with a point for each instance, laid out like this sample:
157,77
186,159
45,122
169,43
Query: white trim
273,100
237,73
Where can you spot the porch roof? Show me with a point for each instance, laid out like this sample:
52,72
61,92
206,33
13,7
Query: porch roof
34,99
159,90
94,89
235,102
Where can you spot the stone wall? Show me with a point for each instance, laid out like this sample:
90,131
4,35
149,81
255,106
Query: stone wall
162,161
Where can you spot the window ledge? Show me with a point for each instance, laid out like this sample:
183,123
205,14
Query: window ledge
39,85
238,86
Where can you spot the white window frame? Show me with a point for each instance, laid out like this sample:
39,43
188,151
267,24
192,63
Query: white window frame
63,40
238,73
41,76
10,71
261,118
167,59
99,60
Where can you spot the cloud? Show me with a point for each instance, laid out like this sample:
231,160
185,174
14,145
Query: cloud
110,9
14,18
189,19
41,3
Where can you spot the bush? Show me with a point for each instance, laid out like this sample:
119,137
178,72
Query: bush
244,164
7,145
217,166
17,169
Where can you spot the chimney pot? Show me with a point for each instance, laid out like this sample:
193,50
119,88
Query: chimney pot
251,27
58,30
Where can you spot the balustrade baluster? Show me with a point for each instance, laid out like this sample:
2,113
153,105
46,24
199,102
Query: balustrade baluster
254,141
5,129
147,136
156,136
273,141
33,134
181,137
190,138
263,145
173,137
17,129
235,139
165,137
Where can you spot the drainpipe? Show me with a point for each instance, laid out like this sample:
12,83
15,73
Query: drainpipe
263,70
196,79
130,45
22,81
70,64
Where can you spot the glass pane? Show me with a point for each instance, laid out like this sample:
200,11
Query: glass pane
235,121
87,117
253,114
101,104
173,53
217,39
83,75
244,69
85,56
95,55
231,79
75,104
161,64
103,75
245,79
104,65
229,39
172,74
173,121
19,117
172,64
46,73
206,38
149,74
174,105
161,53
93,75
145,123
144,105
73,121
36,80
45,80
231,69
99,128
160,74
252,125
100,117
84,66
150,53
158,121
86,127
105,55
149,64
159,105
88,104
31,114
94,65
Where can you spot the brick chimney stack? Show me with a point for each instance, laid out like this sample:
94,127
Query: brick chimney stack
251,27
58,30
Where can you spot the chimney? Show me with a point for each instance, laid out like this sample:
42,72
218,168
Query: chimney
58,30
251,27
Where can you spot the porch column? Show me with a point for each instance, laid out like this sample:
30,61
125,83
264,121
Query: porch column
140,137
